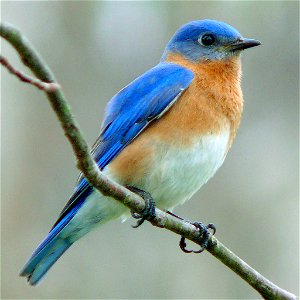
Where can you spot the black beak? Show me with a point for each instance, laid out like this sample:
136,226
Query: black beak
243,44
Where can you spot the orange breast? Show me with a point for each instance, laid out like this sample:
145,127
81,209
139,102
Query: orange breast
215,96
212,103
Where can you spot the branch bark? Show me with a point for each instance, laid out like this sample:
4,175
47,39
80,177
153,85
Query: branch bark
89,168
44,86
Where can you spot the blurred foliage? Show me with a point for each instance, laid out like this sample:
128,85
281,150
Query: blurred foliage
95,48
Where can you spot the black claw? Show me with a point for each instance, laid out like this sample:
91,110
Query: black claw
139,222
213,227
204,234
149,211
135,215
182,245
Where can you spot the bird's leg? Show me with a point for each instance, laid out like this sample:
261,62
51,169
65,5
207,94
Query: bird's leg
149,214
149,211
203,234
174,215
203,237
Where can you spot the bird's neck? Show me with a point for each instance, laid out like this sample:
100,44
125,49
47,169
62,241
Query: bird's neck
220,81
225,73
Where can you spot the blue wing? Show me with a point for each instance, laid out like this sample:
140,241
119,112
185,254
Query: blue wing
133,108
128,113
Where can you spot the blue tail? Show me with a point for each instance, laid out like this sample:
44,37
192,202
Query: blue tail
43,259
54,245
47,253
59,239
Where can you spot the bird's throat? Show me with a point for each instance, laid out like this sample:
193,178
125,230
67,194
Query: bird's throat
219,81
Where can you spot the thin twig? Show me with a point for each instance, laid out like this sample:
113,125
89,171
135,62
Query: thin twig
44,86
89,168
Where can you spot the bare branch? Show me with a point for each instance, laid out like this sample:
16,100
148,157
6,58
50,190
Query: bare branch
44,86
89,168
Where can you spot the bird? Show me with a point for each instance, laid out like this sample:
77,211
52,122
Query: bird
165,134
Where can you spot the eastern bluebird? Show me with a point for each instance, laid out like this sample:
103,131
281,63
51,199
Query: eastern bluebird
165,133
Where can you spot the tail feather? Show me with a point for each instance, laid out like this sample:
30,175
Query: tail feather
67,230
43,259
47,253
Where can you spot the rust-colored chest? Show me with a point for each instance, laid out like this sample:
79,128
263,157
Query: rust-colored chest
212,103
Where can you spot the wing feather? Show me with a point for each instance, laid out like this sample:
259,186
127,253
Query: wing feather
128,113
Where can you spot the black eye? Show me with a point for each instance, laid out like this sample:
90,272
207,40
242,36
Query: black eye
207,39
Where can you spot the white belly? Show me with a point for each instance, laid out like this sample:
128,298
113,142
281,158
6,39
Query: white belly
178,173
175,175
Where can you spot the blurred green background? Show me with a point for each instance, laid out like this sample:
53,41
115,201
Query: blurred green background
95,48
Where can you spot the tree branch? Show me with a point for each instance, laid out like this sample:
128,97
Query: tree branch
89,168
44,86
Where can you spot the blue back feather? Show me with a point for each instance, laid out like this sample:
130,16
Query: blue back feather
128,113
135,106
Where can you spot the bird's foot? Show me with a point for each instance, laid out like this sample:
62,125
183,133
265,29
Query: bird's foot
204,234
174,215
149,211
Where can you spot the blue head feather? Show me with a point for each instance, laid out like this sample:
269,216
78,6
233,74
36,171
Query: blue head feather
187,40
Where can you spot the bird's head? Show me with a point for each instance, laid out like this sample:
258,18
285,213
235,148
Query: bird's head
207,40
